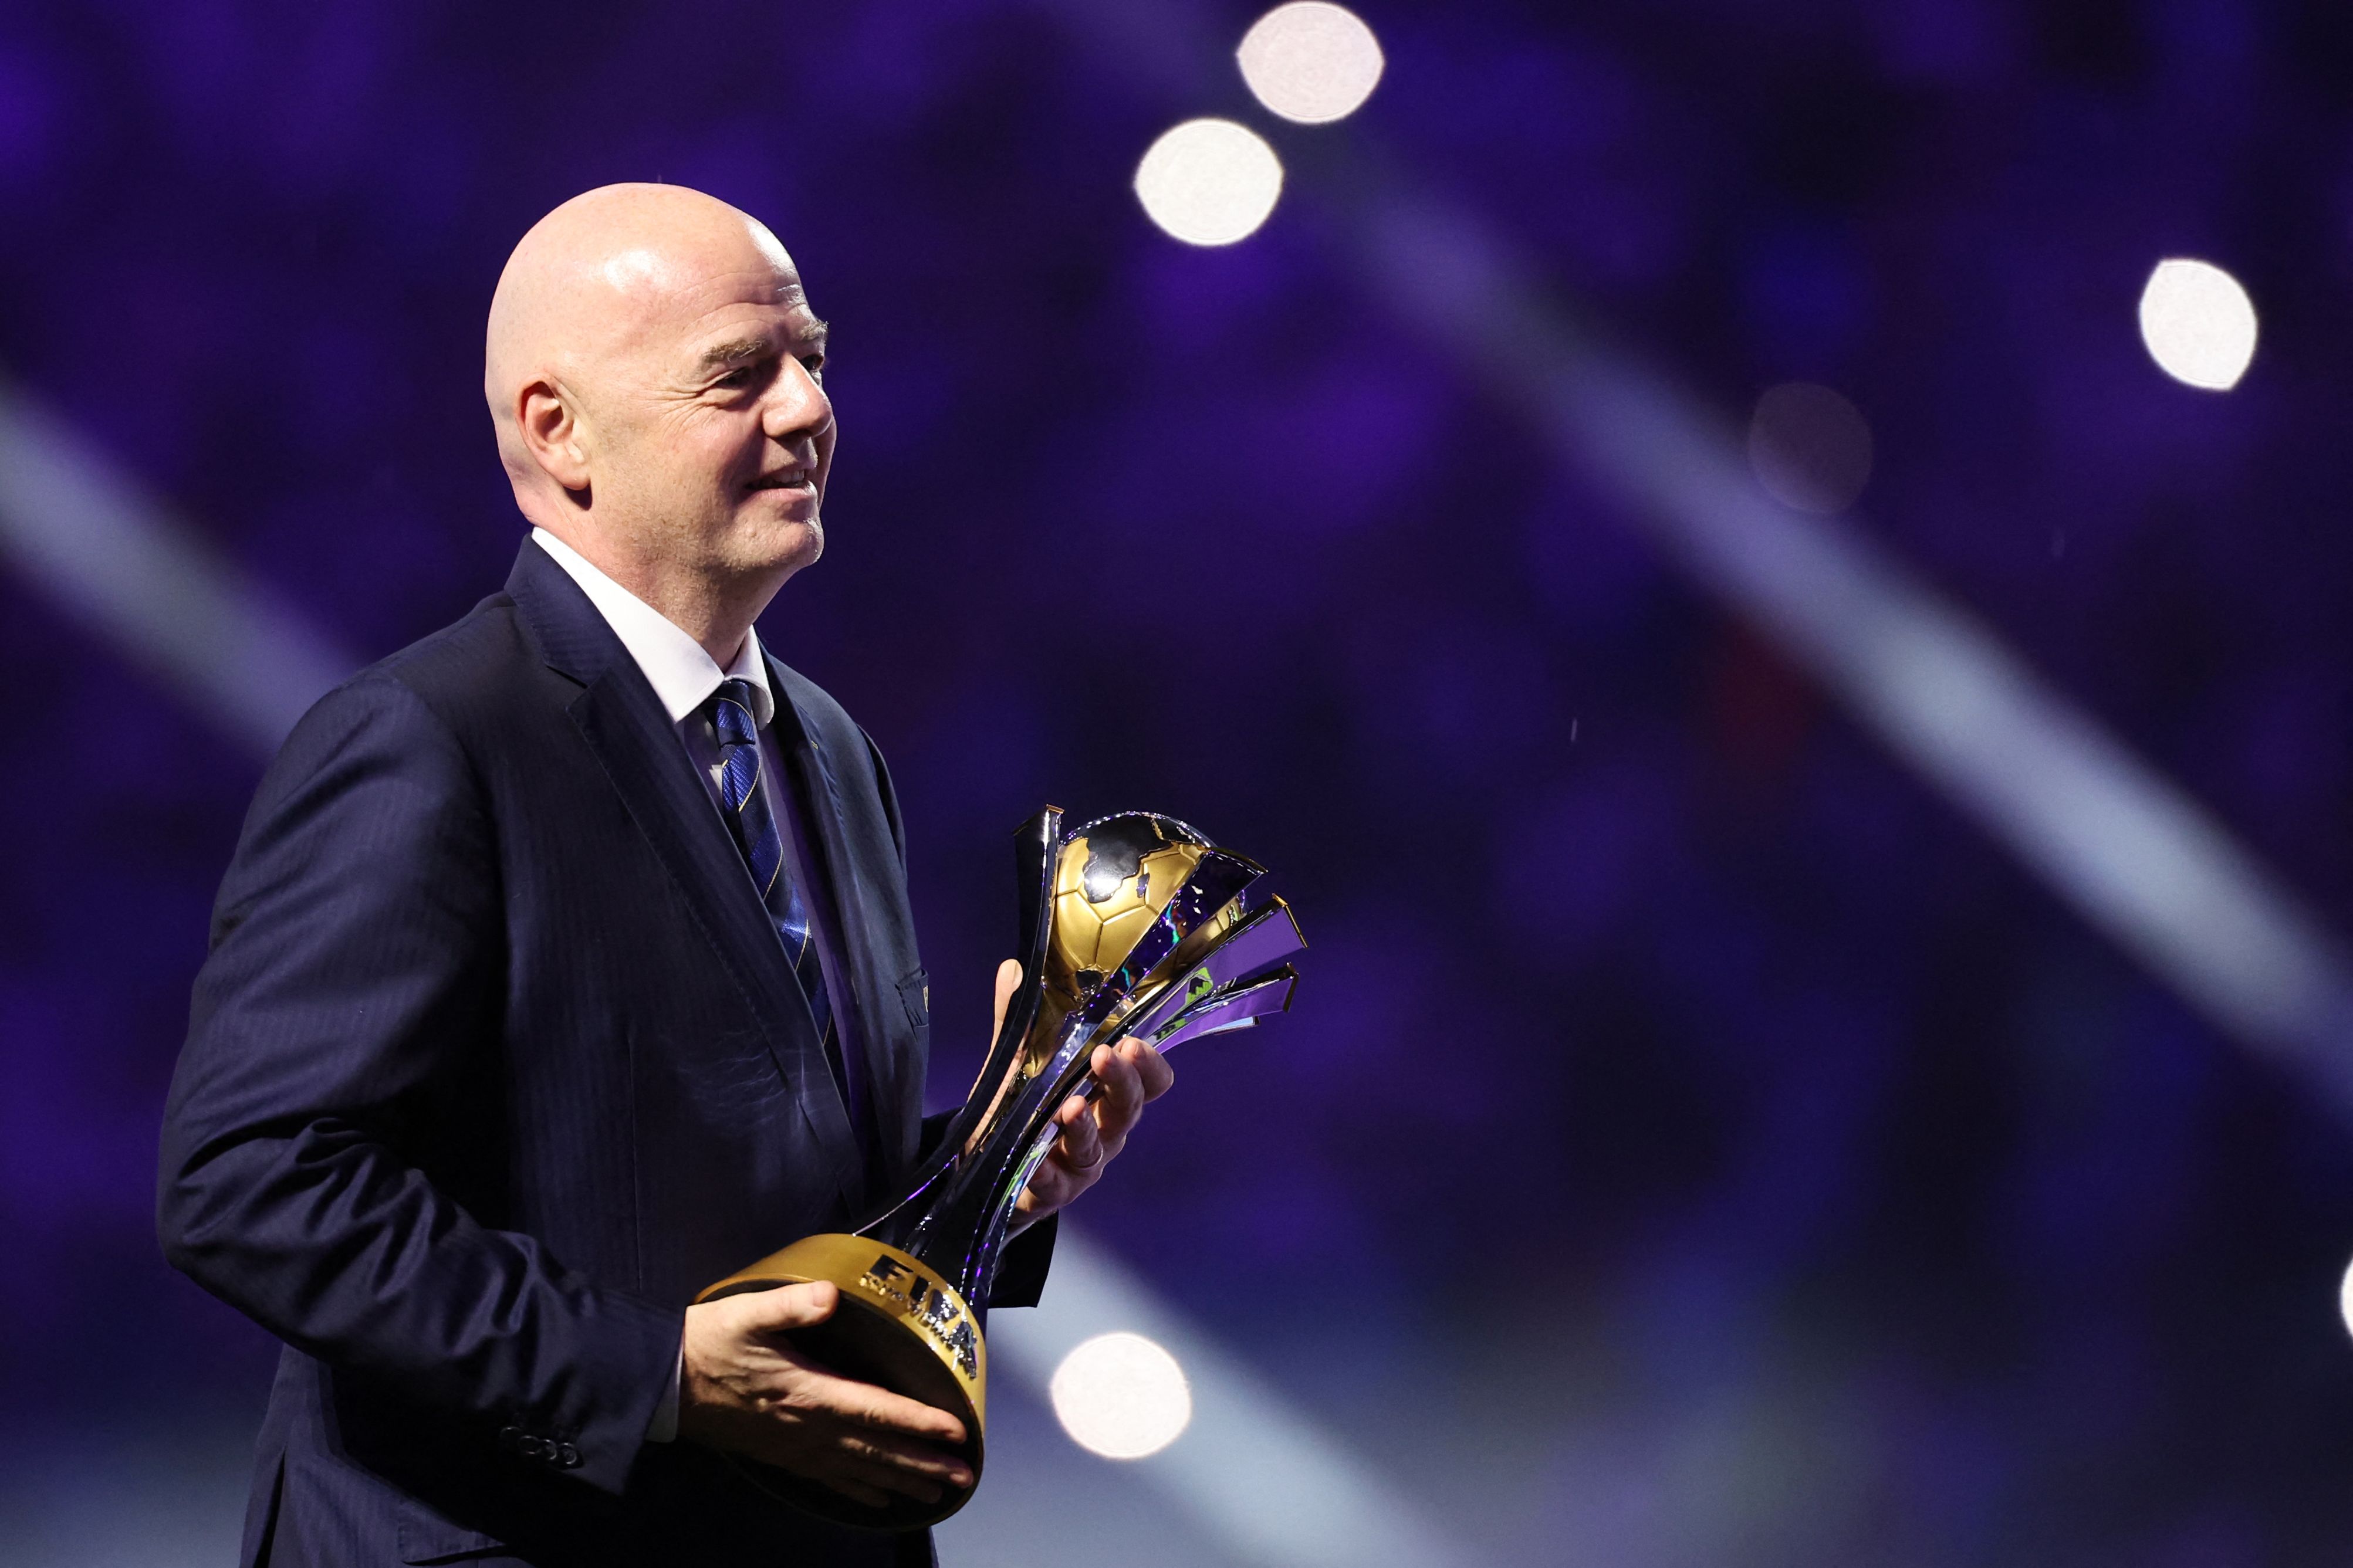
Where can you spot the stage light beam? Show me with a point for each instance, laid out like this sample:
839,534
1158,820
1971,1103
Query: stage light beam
1121,1396
1311,61
2199,324
1209,182
1810,448
101,545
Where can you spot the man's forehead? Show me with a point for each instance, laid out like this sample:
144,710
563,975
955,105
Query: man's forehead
728,308
727,344
763,280
782,310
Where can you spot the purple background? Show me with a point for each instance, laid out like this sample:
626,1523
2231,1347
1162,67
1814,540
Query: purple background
1695,1143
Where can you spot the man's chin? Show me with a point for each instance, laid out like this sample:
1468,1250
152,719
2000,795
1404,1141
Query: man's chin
785,544
811,530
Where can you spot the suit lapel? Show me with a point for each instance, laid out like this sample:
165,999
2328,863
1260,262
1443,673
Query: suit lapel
816,775
626,726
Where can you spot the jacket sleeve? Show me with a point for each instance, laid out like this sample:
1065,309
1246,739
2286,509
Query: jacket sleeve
355,974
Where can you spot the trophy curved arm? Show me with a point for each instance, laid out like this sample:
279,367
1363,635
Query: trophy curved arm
1242,952
1035,844
1241,1007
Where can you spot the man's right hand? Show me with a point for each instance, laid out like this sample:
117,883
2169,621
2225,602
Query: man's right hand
743,1388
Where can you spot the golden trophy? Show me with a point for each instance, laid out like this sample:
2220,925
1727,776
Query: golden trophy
1132,926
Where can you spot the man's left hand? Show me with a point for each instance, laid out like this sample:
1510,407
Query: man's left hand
1094,1130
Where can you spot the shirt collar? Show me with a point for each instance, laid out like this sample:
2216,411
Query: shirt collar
682,675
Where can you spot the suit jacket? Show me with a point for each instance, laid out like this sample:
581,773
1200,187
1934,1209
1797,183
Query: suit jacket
496,1061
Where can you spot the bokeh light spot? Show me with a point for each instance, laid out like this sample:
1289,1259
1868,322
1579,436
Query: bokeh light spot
1209,182
2344,1299
1810,448
1121,1396
2199,324
1311,61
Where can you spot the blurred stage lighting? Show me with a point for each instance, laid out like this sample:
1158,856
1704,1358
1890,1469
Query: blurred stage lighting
1311,61
2199,324
1121,1396
1209,182
1810,448
2344,1299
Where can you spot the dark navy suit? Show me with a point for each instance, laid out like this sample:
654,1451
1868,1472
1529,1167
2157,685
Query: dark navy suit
497,1059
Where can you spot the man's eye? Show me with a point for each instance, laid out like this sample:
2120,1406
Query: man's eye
815,366
739,376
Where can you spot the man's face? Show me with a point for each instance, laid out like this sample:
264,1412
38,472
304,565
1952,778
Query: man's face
713,433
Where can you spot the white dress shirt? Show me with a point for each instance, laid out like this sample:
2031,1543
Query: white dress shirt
683,677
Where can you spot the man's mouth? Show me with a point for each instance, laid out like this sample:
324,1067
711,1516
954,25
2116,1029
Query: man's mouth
790,479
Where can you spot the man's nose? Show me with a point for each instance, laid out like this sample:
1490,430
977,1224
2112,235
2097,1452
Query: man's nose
799,406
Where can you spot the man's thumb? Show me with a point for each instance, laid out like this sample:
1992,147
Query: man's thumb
794,1306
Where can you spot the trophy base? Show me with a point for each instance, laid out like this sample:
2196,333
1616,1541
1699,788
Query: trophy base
900,1325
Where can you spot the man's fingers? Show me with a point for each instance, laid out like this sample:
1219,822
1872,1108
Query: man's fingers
1082,1142
817,1387
903,1458
876,1468
869,1406
1123,1092
1049,1190
826,1446
746,1388
1094,1128
1157,1077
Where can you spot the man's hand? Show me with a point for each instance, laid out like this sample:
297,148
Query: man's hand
1093,1129
743,1388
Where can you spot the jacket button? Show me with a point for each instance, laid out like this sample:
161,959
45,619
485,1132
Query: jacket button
568,1456
510,1437
534,1446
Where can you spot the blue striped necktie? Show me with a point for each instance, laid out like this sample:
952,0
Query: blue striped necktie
752,818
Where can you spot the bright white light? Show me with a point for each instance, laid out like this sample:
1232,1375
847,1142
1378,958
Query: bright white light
1209,182
1121,1396
1310,61
1810,448
2199,324
2345,1299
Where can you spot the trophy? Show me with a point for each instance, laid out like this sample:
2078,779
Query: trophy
1131,927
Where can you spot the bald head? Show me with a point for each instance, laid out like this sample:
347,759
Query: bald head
592,278
654,376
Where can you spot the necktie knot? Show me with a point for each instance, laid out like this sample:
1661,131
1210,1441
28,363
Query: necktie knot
731,713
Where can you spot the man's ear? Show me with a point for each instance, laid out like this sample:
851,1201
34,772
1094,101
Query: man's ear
551,434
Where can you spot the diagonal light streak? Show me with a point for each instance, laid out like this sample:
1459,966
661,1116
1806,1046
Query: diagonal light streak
2133,853
109,552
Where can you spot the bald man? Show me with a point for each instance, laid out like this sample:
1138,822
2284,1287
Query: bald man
564,966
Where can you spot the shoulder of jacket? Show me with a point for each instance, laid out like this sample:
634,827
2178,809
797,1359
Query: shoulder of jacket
487,648
441,678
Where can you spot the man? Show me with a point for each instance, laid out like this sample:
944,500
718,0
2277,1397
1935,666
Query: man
564,966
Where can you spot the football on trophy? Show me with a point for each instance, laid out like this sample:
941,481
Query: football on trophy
1115,877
